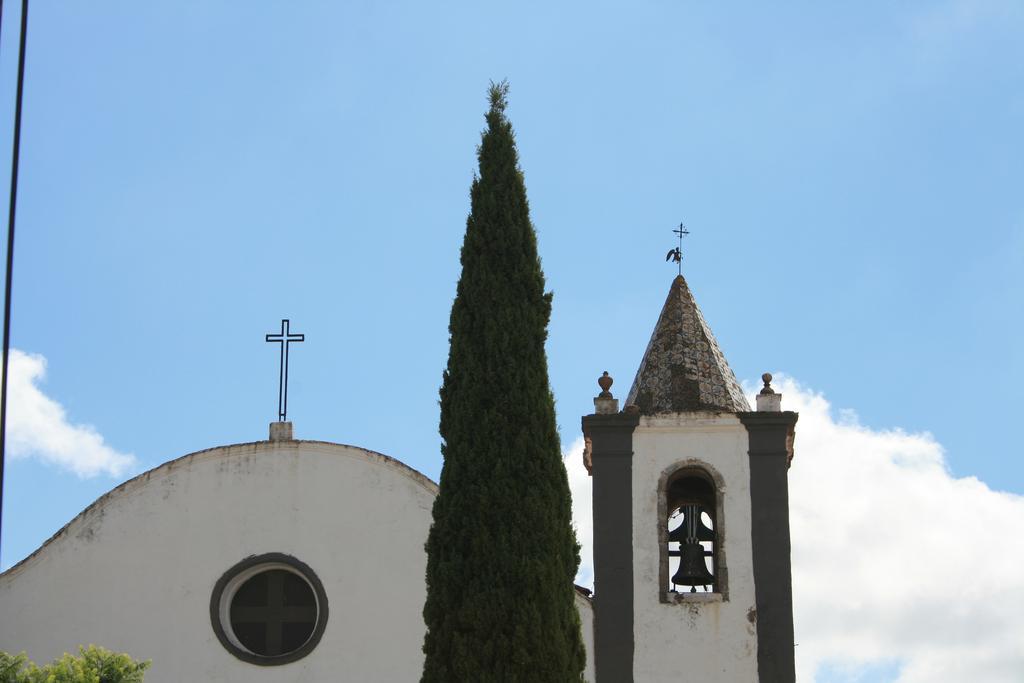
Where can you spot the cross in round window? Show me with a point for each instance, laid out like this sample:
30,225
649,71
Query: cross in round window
269,609
273,613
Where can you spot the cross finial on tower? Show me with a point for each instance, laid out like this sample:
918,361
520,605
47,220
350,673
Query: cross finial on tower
284,339
677,253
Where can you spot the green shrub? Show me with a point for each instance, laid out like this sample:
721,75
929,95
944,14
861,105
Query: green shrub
93,665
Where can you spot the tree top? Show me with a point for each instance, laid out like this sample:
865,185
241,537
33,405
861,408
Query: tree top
498,94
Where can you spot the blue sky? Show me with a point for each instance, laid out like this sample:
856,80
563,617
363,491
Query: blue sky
192,173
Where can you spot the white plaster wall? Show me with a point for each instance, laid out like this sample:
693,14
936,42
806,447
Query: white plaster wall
586,610
712,639
135,571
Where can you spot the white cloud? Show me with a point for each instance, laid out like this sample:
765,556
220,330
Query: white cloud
38,426
894,559
582,517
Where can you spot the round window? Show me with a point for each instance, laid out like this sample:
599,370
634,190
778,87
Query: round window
269,609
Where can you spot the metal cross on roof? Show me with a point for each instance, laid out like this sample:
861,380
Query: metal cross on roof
677,253
284,339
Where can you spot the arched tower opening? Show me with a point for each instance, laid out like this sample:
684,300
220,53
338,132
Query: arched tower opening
691,538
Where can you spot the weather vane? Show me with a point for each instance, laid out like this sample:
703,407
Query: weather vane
677,253
284,339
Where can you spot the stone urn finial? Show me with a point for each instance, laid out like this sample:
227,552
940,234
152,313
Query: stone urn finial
768,400
605,403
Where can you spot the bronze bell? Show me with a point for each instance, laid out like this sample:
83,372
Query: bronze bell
693,571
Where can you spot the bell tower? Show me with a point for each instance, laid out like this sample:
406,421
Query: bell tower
691,516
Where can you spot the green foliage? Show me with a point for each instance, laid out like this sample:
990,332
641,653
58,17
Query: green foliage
10,665
501,554
93,665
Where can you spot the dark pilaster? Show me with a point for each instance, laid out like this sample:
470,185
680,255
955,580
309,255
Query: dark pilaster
611,439
771,445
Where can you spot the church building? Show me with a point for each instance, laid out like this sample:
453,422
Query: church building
292,560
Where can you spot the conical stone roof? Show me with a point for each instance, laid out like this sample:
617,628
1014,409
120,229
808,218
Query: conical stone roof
683,369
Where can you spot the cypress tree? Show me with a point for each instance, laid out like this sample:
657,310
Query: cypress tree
501,554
